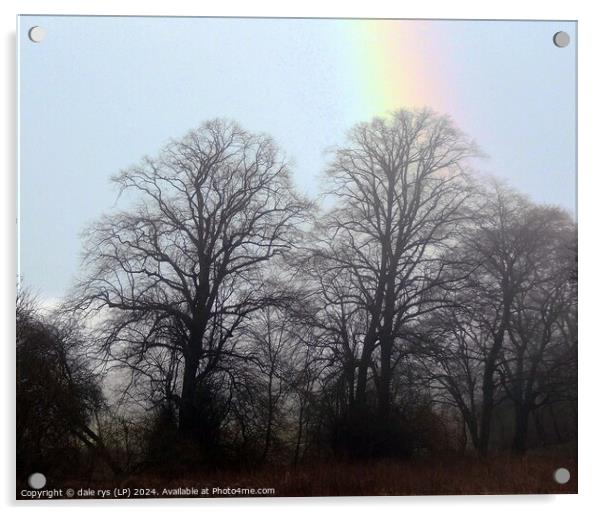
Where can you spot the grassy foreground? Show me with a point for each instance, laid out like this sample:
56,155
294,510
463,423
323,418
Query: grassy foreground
501,474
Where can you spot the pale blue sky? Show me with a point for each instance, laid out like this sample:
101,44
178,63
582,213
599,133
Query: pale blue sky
99,93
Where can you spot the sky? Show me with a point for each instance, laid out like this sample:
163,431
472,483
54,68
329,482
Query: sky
99,93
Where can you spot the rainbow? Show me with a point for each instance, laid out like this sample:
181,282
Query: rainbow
398,63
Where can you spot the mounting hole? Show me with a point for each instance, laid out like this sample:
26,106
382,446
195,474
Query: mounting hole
36,480
561,39
37,34
562,476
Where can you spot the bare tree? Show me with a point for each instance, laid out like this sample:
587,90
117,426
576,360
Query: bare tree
400,185
540,337
271,341
333,310
182,267
451,354
499,331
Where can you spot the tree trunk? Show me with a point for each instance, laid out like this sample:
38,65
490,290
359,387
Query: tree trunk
362,371
268,432
519,444
487,409
473,429
540,427
299,433
188,423
488,386
351,383
384,384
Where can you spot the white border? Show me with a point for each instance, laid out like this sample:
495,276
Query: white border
590,173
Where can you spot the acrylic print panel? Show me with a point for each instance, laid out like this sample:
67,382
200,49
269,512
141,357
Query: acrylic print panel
296,257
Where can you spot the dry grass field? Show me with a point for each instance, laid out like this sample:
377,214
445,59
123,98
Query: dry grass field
502,474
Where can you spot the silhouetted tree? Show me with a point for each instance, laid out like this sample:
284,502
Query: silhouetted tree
542,334
515,289
400,185
179,271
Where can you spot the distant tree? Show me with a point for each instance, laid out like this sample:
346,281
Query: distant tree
511,240
497,338
271,339
178,272
542,334
338,323
451,353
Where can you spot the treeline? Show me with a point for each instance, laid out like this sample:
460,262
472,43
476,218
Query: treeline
418,309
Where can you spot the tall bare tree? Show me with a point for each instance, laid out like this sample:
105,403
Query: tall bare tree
400,186
181,267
